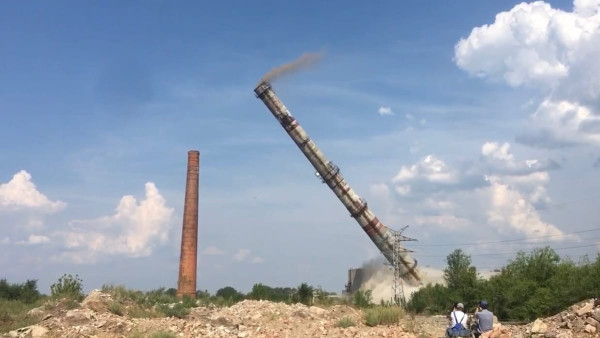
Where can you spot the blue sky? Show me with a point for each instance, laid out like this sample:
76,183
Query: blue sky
102,101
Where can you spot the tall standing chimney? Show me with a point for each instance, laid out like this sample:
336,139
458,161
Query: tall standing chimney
186,285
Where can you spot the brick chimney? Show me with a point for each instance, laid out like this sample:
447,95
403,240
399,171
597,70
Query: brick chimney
186,285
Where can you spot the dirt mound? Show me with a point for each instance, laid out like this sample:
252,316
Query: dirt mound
245,319
97,301
579,320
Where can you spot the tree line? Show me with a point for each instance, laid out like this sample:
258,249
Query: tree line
532,285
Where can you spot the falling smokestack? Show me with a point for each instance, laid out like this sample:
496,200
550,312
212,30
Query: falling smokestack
186,285
382,236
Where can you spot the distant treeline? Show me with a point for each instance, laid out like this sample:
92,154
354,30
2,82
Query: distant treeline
533,285
69,286
26,292
304,293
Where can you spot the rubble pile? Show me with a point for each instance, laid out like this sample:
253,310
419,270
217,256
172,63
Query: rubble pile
248,318
580,320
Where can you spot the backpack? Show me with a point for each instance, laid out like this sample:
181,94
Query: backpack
458,325
459,330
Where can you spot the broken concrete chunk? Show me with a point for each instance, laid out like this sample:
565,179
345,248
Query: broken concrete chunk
586,309
539,326
590,329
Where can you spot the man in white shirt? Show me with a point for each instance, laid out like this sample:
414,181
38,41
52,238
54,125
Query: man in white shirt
459,321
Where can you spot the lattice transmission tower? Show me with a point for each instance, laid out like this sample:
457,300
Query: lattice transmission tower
399,250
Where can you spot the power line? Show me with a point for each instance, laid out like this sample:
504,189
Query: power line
514,253
507,240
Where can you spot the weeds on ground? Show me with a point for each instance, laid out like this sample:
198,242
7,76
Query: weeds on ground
163,334
140,312
383,315
13,314
158,334
345,322
217,301
122,294
115,308
188,302
68,286
410,325
173,310
363,298
149,298
155,303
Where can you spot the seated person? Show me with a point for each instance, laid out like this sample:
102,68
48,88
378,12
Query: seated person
485,319
458,327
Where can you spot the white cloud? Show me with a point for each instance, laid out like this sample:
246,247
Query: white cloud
510,208
244,255
409,117
380,189
448,221
35,239
507,199
500,160
212,251
241,254
21,193
557,124
523,46
5,240
134,230
429,168
257,260
385,111
552,50
494,150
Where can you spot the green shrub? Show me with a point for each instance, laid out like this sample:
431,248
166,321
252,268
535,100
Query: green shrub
13,314
173,310
363,298
115,307
139,312
159,334
159,296
67,286
305,294
383,315
345,322
188,302
26,292
122,294
323,298
229,292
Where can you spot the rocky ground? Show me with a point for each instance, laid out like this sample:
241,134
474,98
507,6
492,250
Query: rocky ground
266,319
580,320
245,319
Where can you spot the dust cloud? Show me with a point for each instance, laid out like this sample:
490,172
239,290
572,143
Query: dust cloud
379,279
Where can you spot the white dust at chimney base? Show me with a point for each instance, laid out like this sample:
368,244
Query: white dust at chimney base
379,279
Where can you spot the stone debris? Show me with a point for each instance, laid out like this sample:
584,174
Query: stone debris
248,318
590,329
539,326
580,320
34,331
264,319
